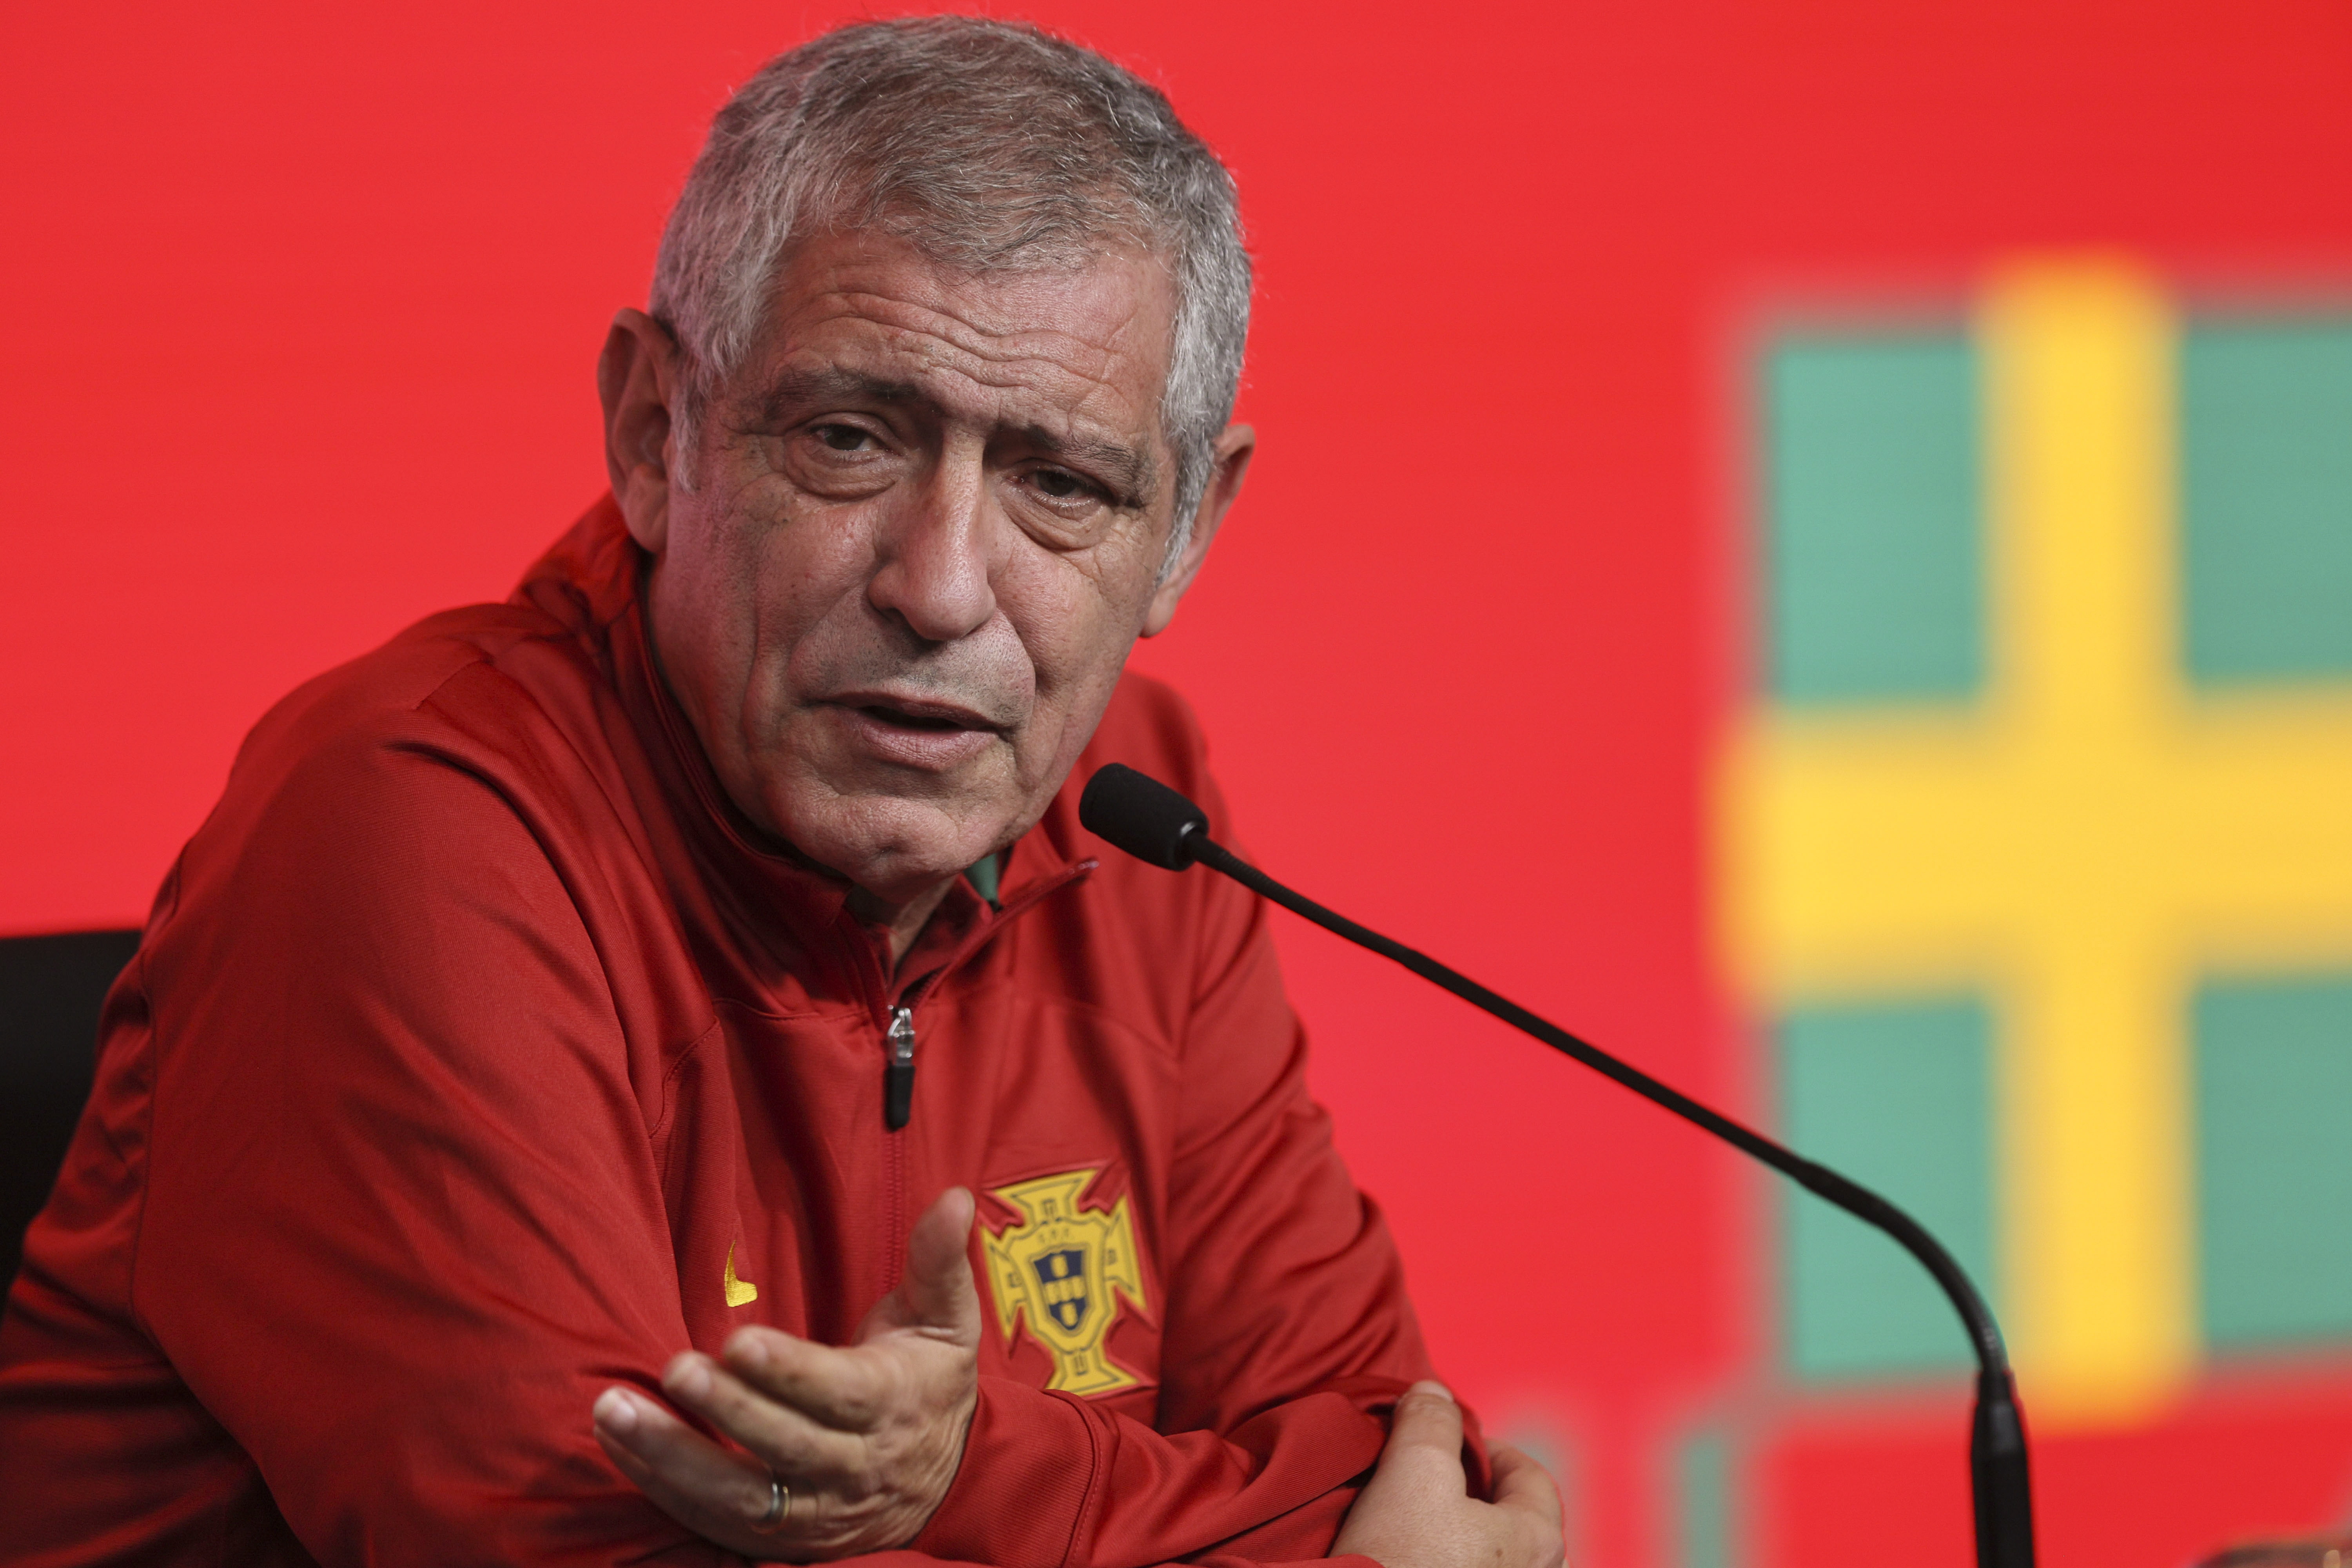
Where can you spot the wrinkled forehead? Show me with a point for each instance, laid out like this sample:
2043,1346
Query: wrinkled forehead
1077,347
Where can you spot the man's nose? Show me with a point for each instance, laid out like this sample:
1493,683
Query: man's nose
936,553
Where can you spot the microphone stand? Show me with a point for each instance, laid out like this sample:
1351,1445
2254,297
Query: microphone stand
1998,1466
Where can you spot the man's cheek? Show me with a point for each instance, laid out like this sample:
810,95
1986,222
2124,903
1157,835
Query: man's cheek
1063,725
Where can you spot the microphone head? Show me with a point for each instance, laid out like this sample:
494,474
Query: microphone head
1141,816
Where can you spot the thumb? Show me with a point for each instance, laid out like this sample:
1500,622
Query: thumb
1426,1428
940,1293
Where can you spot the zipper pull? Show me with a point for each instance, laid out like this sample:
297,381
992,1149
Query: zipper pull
899,1077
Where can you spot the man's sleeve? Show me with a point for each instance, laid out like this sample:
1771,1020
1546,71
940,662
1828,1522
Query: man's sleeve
403,1222
1288,1333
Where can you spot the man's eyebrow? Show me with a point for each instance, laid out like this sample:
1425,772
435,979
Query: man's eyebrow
796,389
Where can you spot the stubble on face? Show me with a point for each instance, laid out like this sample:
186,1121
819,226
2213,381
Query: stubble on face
927,529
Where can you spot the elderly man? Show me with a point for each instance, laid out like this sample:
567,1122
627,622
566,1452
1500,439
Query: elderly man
548,1116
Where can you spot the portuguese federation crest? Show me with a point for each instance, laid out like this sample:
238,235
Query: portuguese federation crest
1057,1268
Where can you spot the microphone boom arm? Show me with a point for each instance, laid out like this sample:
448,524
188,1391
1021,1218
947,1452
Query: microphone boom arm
1156,823
2000,1480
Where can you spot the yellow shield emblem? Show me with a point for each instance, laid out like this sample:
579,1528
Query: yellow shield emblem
1058,1269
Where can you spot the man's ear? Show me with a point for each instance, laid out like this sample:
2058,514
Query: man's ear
1231,457
636,378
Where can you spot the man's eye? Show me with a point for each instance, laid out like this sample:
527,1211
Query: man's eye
843,437
1060,484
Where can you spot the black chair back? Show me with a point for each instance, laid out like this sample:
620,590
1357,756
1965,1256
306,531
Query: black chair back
50,991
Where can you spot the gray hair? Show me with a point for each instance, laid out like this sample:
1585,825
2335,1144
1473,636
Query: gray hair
989,147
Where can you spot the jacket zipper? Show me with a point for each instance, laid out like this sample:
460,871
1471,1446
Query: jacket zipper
899,1077
897,1109
898,1036
898,1104
898,1070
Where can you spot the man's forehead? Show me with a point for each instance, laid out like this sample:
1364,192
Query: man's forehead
1084,294
1064,334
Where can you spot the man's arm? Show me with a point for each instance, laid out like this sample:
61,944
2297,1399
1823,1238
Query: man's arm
403,1220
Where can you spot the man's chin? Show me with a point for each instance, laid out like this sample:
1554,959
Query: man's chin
895,848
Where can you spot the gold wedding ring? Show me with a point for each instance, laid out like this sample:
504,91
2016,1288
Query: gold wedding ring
780,1507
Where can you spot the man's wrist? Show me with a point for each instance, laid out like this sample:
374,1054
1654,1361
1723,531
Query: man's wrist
946,1485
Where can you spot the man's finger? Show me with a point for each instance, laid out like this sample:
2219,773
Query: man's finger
844,1389
1426,1433
1522,1484
689,1477
794,1446
940,1294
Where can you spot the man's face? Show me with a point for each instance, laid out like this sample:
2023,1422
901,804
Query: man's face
926,527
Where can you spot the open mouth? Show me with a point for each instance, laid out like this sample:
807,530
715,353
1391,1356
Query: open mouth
901,719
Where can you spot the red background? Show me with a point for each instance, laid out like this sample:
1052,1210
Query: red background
302,307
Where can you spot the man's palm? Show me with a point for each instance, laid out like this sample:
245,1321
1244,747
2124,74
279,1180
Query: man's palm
867,1437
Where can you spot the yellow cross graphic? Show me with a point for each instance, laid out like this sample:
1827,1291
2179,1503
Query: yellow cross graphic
2079,844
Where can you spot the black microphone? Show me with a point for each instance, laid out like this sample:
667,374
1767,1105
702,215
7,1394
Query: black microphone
1152,822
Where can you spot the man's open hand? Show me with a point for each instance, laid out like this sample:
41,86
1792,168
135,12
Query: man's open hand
1417,1511
867,1438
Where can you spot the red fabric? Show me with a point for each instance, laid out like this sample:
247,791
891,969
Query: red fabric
475,1032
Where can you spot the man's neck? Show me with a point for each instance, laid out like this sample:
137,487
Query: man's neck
900,924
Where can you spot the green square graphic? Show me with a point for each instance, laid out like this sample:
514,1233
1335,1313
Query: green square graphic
2274,1177
2266,499
1874,575
1899,1097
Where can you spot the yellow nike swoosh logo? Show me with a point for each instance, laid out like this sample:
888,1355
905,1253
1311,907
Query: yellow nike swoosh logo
739,1291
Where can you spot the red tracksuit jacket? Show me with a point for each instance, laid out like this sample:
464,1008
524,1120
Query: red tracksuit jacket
478,1053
